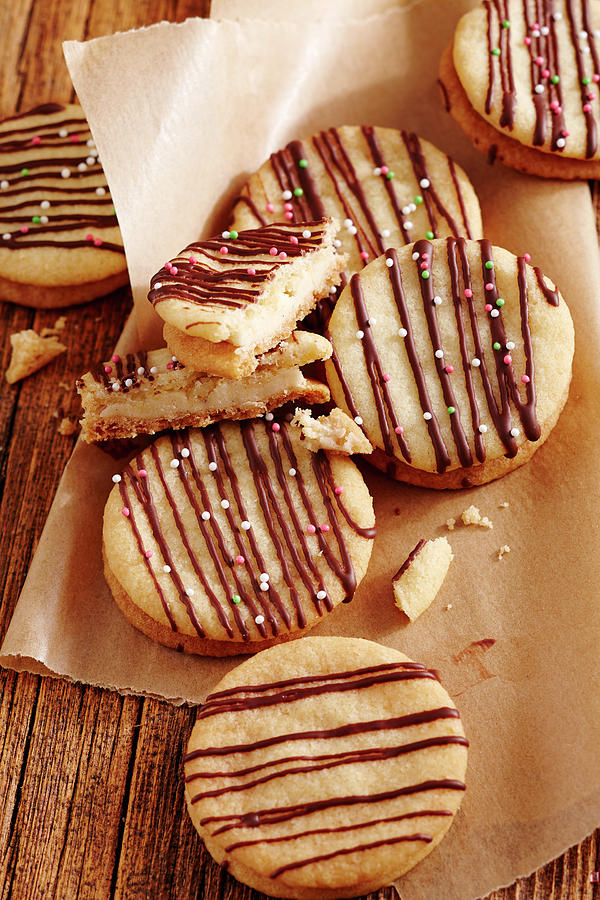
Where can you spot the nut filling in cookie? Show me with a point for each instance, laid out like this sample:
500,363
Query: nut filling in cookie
454,357
228,539
325,768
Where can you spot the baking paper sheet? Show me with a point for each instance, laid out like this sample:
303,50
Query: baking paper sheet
181,114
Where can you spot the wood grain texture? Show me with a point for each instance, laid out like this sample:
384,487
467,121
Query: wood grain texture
91,795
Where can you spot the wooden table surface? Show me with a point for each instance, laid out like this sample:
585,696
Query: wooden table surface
91,796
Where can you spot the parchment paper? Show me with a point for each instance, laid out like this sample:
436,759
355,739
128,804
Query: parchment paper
180,114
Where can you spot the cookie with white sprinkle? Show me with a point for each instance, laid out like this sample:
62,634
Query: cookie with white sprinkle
228,539
325,768
454,357
522,80
60,242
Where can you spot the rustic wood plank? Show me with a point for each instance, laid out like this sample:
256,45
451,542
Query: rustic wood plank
14,26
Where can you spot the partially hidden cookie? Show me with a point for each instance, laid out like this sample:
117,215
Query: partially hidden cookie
227,300
387,187
522,81
421,575
454,357
60,243
145,392
228,539
325,768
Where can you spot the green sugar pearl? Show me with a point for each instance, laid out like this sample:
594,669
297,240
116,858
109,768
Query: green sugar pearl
489,264
24,171
233,235
429,235
298,192
586,81
499,302
236,599
390,175
303,163
496,345
451,410
425,274
35,220
555,79
418,199
506,24
496,51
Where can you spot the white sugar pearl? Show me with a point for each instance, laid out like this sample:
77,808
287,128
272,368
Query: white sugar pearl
259,620
225,504
45,204
245,525
358,420
174,463
376,171
287,195
157,286
306,233
482,429
385,232
63,132
495,313
557,16
560,142
545,30
6,236
408,225
128,382
427,416
153,370
100,191
292,472
94,152
206,516
415,255
439,354
402,332
116,386
264,576
226,235
82,167
167,569
185,452
424,182
44,220
173,359
515,432
321,595
90,142
264,586
360,334
141,370
90,160
353,229
437,301
269,417
412,207
65,173
510,345
348,223
3,185
406,210
116,478
539,88
582,34
389,263
476,362
585,49
337,243
372,320
535,32
212,466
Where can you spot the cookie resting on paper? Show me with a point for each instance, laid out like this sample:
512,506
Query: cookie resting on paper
454,357
521,79
146,392
227,300
325,768
234,537
60,243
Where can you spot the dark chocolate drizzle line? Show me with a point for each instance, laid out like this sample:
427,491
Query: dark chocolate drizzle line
507,119
307,182
291,695
459,196
409,559
289,179
590,121
335,361
378,158
441,453
301,863
426,716
278,814
321,463
143,494
321,763
552,296
215,448
244,198
127,505
381,393
425,251
431,197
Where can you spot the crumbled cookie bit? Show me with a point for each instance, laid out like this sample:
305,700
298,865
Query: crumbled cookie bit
450,524
335,432
472,516
448,606
31,351
67,427
503,551
504,505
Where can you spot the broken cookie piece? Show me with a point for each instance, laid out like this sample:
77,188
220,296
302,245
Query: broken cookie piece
229,299
336,432
30,352
420,577
472,516
145,392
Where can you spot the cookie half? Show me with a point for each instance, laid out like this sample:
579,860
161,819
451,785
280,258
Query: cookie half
325,768
227,300
60,243
522,81
143,393
232,538
454,357
387,187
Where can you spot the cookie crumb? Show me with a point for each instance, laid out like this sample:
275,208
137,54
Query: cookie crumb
67,427
336,432
448,606
503,551
504,505
450,524
472,516
418,580
31,351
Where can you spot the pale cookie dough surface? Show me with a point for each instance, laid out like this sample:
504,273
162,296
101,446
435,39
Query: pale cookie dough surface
428,192
419,579
143,393
30,352
325,768
60,243
532,72
451,393
336,432
227,509
227,300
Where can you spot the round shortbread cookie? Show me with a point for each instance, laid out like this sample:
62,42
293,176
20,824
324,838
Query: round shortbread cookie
387,187
325,768
455,357
60,242
530,72
228,539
